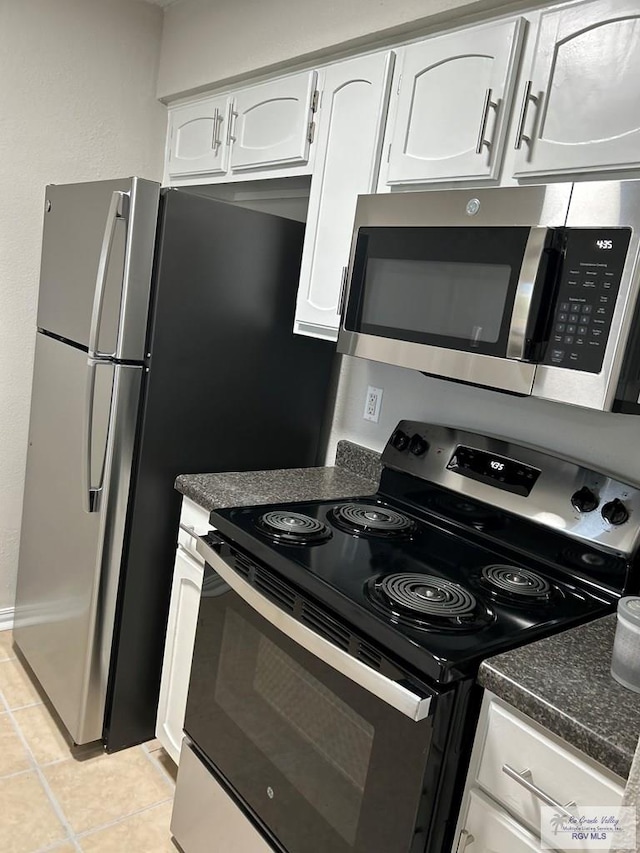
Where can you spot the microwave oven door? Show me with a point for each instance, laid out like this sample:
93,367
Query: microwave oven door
448,282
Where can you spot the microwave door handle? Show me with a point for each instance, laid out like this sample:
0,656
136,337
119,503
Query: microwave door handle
114,213
521,315
388,691
343,291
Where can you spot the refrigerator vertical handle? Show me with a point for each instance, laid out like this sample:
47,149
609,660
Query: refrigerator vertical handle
116,211
91,494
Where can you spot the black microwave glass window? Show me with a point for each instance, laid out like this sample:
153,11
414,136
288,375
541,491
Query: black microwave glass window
457,300
320,744
451,287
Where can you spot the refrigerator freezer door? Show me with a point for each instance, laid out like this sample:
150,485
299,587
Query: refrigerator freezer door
92,247
69,558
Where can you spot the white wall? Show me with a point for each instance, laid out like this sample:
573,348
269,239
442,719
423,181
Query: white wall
77,102
601,439
206,42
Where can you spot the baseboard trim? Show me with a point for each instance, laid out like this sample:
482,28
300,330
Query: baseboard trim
6,618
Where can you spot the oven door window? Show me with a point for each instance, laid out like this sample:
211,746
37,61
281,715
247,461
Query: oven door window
447,287
323,764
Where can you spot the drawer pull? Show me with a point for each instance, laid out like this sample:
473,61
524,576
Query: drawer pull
524,778
464,840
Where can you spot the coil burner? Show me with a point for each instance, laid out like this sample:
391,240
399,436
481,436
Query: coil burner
293,528
371,520
428,602
515,584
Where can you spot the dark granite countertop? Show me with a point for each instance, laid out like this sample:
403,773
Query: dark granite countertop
356,473
564,683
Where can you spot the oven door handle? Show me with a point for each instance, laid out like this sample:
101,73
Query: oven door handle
388,691
525,290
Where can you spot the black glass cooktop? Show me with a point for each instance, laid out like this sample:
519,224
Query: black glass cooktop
440,597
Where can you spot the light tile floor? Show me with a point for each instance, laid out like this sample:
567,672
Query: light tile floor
57,798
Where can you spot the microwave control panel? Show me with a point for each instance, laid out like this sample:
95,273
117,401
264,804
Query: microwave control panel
586,297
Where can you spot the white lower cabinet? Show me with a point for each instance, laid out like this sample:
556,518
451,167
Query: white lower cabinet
489,829
181,629
516,768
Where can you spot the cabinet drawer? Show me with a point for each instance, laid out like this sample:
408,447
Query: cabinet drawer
542,761
194,521
487,829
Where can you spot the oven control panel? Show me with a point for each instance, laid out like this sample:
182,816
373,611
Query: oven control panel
500,471
589,283
559,493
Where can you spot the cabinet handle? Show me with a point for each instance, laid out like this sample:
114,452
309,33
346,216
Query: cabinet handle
488,104
231,126
524,778
464,840
520,135
217,122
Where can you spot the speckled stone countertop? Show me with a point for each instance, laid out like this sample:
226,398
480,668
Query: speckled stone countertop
564,683
356,473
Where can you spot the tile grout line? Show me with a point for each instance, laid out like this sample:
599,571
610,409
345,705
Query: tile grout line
47,789
120,820
160,769
74,838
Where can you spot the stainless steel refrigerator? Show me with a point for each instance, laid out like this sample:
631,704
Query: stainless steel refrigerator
164,346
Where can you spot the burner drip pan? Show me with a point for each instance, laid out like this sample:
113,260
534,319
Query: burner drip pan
293,528
371,520
428,602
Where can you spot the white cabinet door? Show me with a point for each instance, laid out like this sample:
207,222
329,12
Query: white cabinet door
488,829
271,123
516,755
198,138
178,651
350,125
581,105
453,99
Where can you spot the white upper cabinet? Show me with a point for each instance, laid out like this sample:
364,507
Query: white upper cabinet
350,126
452,103
264,130
197,138
580,107
272,123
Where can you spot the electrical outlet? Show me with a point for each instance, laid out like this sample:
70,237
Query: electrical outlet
372,404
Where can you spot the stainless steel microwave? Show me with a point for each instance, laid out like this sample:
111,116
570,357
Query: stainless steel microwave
530,290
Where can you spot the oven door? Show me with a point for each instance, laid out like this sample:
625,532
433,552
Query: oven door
324,751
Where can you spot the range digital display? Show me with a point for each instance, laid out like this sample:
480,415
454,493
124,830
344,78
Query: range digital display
504,473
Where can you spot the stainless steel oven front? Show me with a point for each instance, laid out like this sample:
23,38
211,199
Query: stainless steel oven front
529,290
310,738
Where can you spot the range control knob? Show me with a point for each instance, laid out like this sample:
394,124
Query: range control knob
418,445
615,512
400,440
584,500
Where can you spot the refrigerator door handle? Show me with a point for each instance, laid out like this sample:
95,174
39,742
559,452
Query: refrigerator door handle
116,212
91,494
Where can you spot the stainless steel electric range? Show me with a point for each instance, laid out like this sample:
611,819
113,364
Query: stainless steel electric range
332,702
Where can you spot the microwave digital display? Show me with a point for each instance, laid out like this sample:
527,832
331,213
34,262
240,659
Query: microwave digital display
507,474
